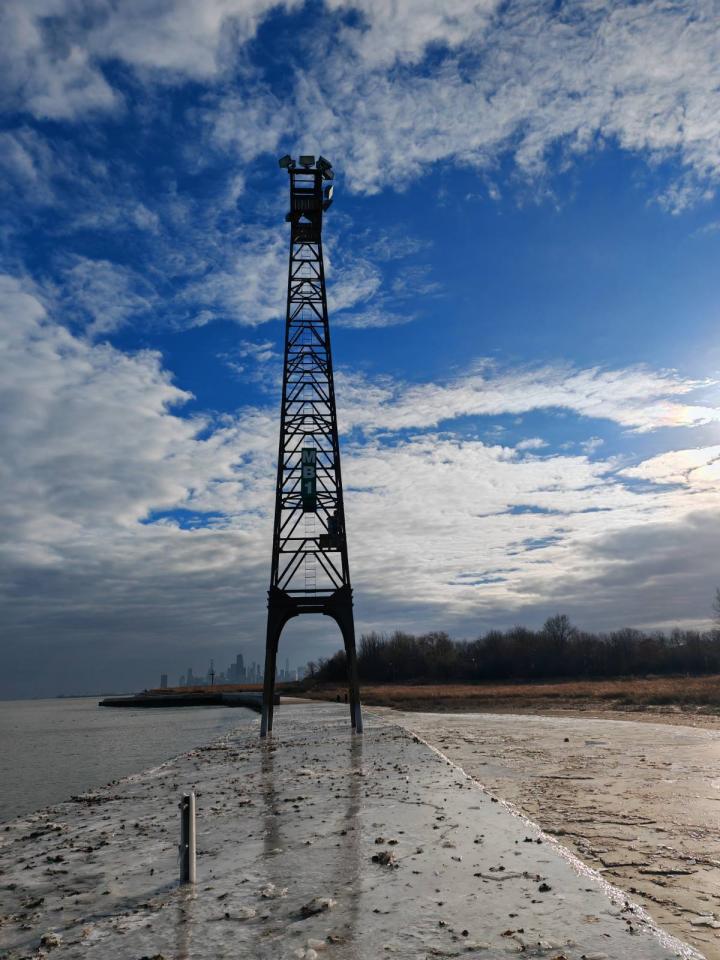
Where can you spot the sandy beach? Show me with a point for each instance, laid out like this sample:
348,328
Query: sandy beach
313,843
639,800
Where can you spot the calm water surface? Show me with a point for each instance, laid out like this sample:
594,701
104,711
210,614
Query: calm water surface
51,749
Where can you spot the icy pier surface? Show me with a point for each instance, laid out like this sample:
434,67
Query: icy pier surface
634,798
312,843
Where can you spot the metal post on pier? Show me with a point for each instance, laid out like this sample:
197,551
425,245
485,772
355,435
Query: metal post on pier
187,838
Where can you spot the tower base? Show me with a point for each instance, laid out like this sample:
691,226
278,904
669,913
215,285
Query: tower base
282,607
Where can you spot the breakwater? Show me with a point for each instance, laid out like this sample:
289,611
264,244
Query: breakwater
253,701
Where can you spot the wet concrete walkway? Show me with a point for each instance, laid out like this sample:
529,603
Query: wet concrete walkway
312,843
638,801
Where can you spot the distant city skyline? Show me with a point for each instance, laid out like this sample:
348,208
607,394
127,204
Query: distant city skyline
237,672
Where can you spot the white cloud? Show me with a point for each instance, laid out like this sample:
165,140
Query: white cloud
87,192
356,283
27,163
592,444
649,574
357,298
53,50
372,317
384,245
128,527
473,530
517,79
182,37
249,287
637,398
48,70
698,468
250,361
107,294
402,31
415,281
70,409
92,445
250,124
532,443
260,352
708,228
644,76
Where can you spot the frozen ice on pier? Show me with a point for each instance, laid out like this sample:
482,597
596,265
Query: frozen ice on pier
312,843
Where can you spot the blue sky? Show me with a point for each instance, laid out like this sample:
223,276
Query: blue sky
523,284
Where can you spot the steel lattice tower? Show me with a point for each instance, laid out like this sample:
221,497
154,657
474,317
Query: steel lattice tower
310,572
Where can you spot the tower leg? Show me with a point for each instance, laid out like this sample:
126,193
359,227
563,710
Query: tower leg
343,614
274,627
350,693
356,718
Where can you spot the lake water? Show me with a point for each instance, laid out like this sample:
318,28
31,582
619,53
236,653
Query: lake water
51,749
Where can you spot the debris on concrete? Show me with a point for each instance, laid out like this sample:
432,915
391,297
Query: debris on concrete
292,873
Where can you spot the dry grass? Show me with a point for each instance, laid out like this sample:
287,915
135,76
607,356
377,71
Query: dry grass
627,694
635,693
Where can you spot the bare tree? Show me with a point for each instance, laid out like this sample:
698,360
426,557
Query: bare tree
559,629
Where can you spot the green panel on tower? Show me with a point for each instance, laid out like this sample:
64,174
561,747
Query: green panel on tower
308,480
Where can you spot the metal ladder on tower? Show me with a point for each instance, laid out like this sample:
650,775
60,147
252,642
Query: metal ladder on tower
309,562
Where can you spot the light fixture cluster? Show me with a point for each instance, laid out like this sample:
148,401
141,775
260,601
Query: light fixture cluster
307,161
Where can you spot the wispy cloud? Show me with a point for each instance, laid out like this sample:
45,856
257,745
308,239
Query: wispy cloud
637,398
372,317
534,78
532,443
517,80
247,286
592,444
386,34
104,295
386,244
355,283
55,69
256,361
709,228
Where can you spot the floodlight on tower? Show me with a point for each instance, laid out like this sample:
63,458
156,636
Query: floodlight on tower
325,168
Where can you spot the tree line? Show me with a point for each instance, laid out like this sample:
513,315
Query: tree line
558,650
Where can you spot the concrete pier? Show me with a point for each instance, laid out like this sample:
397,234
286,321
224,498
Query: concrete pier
252,701
313,842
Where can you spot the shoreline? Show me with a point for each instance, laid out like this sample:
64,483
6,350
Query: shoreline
315,841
